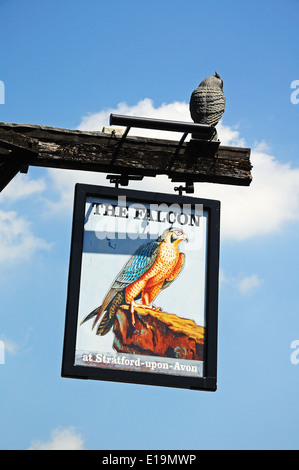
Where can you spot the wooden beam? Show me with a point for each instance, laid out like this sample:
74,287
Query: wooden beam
16,153
18,142
76,150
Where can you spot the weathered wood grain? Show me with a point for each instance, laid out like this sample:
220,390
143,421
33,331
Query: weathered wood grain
76,150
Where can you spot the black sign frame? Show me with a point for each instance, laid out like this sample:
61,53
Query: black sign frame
206,382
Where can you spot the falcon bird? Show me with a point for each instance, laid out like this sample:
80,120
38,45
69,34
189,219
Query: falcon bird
150,269
207,102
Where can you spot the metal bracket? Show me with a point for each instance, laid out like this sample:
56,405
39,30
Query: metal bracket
202,136
123,180
188,188
120,144
181,143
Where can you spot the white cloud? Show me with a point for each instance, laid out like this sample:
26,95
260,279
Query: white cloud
249,284
272,198
10,346
261,209
61,439
63,185
17,242
23,186
243,284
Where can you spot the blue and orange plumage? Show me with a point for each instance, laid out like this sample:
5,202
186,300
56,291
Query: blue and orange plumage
153,267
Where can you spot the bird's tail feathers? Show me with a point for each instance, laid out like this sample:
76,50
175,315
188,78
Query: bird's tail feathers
91,315
106,324
108,308
105,306
109,318
97,312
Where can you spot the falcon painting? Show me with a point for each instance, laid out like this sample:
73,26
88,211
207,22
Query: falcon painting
152,268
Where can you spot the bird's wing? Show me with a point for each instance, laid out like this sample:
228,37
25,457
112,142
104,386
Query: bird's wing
138,264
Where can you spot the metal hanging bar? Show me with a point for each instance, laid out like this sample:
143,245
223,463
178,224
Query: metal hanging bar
205,131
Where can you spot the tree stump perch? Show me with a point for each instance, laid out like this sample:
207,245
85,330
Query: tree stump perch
158,334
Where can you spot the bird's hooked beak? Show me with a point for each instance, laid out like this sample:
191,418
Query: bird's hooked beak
183,237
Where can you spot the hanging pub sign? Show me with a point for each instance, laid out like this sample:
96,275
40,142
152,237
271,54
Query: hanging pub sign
142,301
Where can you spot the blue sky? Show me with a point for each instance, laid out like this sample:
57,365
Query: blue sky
69,64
